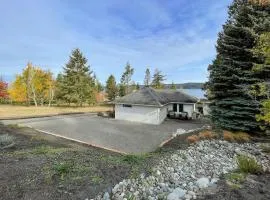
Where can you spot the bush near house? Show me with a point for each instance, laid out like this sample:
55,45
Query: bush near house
248,165
206,135
193,139
236,136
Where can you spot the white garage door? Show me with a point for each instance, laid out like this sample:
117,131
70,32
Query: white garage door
143,114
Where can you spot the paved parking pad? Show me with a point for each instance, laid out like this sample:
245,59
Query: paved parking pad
123,136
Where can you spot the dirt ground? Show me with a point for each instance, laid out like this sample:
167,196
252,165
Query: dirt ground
12,111
255,187
41,166
44,167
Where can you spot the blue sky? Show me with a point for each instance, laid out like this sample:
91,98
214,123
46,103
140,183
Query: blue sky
176,36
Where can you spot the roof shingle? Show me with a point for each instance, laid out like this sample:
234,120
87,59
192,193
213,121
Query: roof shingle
149,96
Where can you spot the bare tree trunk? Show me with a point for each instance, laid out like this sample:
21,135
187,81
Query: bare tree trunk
32,86
34,97
51,95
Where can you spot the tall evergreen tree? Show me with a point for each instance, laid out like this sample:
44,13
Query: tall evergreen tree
231,74
111,88
173,86
157,81
138,86
147,78
77,84
126,80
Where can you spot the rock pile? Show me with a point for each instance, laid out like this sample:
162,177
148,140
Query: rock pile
183,174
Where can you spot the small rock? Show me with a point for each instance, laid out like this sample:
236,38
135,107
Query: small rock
106,196
203,182
176,194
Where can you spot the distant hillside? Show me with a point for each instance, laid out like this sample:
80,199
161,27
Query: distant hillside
183,86
186,85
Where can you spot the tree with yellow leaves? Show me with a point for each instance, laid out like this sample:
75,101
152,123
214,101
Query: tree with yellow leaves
34,84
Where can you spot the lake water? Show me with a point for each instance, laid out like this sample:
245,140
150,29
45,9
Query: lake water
199,93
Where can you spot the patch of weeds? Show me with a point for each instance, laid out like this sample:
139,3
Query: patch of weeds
235,186
131,197
183,156
135,172
97,179
81,169
13,126
37,138
62,168
248,165
47,150
112,159
162,196
135,159
6,140
77,179
48,173
265,148
235,177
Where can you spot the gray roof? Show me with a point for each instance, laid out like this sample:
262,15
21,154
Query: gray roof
150,96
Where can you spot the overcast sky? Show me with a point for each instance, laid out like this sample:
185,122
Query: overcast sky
176,36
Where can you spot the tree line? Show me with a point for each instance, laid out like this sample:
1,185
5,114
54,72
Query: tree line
127,86
76,85
238,85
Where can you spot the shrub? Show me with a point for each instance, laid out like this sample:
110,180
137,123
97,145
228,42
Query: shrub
193,139
248,165
228,136
6,140
62,168
236,137
134,159
206,135
241,137
101,114
234,177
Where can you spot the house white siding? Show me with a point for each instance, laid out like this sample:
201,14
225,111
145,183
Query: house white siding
189,108
163,114
137,113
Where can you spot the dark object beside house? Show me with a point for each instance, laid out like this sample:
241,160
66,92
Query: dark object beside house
107,114
173,115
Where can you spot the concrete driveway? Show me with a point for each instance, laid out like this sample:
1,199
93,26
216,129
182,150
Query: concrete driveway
123,136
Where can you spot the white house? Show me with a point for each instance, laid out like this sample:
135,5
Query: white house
151,106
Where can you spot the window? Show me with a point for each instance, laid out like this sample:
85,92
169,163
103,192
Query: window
174,107
181,107
127,106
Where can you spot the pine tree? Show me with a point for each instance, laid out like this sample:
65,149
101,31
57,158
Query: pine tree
173,86
122,90
111,88
231,73
126,80
77,84
147,78
157,81
138,86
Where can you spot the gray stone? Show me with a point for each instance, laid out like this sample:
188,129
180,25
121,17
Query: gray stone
203,182
106,196
176,194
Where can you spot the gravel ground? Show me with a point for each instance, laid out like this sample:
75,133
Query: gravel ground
186,173
254,187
